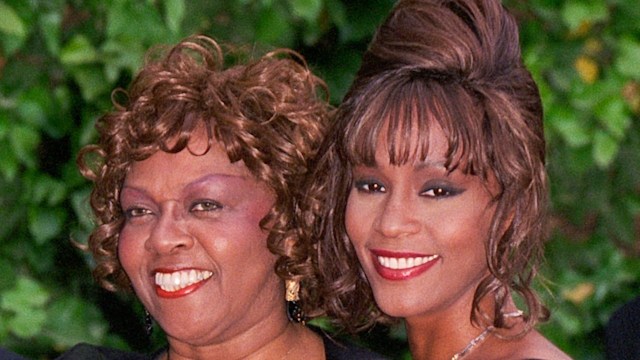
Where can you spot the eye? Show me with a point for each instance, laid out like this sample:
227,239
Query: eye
136,212
369,186
439,192
206,205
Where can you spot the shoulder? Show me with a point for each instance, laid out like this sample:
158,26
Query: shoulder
9,355
534,346
87,351
342,350
628,314
622,330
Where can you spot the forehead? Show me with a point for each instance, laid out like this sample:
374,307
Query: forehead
194,161
417,143
409,117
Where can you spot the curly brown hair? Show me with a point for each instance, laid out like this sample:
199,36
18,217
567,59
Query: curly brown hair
270,113
456,64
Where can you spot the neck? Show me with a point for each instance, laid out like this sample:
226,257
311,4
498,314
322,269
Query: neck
447,333
440,340
271,338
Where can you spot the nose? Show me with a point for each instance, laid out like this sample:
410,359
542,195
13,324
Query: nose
170,233
397,217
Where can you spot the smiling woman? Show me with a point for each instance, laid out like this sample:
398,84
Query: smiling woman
434,208
196,186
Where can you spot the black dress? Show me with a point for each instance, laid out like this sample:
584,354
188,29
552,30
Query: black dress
623,332
9,355
333,349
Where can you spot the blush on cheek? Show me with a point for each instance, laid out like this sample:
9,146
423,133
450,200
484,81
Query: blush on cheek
127,253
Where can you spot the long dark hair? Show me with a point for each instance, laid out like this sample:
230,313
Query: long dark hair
456,64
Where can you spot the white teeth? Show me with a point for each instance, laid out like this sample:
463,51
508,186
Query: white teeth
180,279
404,263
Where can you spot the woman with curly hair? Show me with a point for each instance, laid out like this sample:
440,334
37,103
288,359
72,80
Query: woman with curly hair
430,192
196,178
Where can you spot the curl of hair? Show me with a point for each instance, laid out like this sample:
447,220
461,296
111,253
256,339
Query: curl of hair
270,113
455,63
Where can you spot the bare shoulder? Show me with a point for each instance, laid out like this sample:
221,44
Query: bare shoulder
534,346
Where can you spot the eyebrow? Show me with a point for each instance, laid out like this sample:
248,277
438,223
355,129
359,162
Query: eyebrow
214,178
430,164
195,183
420,165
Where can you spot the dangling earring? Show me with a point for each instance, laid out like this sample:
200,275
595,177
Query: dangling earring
148,323
294,310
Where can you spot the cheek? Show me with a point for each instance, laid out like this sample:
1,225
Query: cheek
466,234
355,220
129,252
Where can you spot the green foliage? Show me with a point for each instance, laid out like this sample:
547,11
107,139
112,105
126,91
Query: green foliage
59,61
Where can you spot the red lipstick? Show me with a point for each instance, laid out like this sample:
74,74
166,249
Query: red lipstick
177,283
179,293
396,266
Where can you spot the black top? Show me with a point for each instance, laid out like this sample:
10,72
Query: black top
333,350
623,332
8,355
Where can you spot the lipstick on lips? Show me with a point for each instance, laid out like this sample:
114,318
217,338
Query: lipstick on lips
177,283
393,265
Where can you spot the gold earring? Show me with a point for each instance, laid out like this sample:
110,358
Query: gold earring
292,296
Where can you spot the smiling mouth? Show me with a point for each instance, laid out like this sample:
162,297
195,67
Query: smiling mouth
402,263
395,266
178,280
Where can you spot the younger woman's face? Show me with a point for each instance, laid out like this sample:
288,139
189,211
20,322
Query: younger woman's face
420,232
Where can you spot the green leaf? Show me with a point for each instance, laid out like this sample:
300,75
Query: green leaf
4,330
9,163
78,50
45,223
612,114
578,12
121,55
628,59
27,294
24,140
11,23
50,25
34,105
7,280
47,190
174,11
273,27
80,204
92,82
570,127
26,324
136,21
309,10
336,11
73,320
605,149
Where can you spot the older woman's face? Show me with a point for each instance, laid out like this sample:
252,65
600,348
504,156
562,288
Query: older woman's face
419,232
192,245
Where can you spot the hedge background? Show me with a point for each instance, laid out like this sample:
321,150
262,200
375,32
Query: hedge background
60,59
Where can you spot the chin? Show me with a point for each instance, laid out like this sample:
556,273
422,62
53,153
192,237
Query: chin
397,309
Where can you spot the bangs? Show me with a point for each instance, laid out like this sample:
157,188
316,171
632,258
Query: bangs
403,110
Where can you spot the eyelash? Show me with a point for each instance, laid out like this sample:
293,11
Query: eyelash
136,212
365,186
371,186
199,206
206,205
439,191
